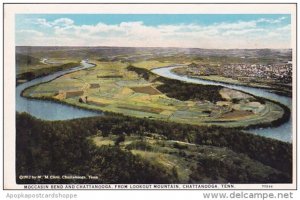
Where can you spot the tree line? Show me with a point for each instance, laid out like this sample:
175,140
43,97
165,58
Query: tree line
62,147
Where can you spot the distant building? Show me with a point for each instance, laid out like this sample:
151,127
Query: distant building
94,85
70,93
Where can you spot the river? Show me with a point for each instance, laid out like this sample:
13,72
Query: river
283,132
49,110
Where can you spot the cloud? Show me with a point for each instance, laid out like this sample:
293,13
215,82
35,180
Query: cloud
243,31
42,22
240,34
238,25
32,33
271,21
61,22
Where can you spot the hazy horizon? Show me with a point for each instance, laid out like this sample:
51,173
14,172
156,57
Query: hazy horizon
156,47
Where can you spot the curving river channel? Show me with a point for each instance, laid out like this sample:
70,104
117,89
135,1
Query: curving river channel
48,110
283,132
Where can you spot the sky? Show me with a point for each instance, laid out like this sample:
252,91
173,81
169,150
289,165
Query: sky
217,31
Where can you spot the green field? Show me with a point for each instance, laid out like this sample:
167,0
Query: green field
117,89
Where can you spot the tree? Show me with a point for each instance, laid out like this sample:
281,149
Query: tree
120,139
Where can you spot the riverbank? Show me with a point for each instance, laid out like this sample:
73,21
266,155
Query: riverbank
225,80
134,111
31,75
276,123
49,110
280,132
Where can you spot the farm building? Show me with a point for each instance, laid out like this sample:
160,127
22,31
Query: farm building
94,85
146,90
83,99
224,103
70,93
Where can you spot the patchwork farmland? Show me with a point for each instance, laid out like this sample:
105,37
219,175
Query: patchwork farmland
110,86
